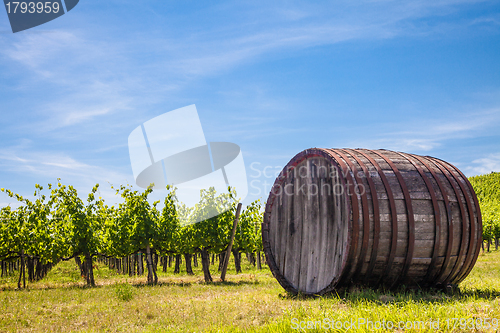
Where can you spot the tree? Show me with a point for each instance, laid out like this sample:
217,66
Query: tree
248,238
212,233
85,234
139,218
32,232
487,188
170,237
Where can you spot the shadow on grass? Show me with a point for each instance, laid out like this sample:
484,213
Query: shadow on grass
29,287
381,296
233,283
190,283
39,285
162,284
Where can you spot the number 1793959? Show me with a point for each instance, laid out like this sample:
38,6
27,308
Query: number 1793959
32,7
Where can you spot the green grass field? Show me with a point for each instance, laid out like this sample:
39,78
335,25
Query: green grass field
252,301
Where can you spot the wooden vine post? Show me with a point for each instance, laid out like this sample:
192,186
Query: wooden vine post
228,251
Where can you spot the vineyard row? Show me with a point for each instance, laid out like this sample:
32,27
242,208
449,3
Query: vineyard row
59,226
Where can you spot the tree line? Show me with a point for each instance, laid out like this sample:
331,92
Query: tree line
59,225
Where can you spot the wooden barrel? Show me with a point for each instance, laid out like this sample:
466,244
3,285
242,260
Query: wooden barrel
338,217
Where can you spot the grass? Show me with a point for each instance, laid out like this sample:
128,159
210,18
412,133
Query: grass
248,302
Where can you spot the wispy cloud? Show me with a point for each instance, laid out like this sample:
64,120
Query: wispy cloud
485,165
269,29
72,75
36,50
93,100
426,134
26,163
54,165
305,25
90,82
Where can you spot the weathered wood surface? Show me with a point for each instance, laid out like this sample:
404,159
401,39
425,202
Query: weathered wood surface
306,234
337,217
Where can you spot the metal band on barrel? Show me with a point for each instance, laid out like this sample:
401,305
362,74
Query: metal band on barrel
394,217
410,219
376,214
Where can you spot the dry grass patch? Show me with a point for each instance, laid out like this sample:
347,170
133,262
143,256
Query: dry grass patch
252,302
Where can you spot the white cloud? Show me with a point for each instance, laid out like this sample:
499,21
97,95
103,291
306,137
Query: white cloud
37,51
48,165
485,165
426,134
54,165
268,29
78,79
91,76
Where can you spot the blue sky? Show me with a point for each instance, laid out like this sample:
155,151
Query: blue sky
274,77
